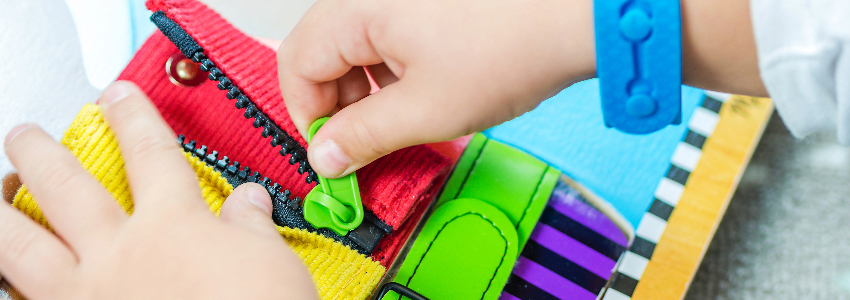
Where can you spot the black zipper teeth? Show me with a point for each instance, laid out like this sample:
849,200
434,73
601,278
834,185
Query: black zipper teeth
297,153
191,49
237,175
287,210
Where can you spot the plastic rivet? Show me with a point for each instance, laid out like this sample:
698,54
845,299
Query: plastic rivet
640,106
635,25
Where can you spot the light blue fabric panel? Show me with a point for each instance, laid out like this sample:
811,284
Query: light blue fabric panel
141,25
567,132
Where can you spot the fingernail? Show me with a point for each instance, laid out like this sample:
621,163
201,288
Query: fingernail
118,91
15,132
259,197
329,158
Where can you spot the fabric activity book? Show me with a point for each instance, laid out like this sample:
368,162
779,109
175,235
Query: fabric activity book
551,205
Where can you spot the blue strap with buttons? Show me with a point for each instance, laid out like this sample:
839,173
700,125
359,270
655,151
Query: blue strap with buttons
639,63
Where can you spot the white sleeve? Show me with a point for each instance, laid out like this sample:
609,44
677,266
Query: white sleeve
804,59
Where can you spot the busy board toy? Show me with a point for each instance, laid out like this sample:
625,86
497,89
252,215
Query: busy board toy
502,218
662,210
552,205
671,187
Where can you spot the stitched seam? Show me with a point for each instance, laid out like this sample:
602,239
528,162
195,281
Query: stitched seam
528,206
505,253
472,167
360,270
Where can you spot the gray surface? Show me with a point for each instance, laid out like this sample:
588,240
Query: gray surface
783,235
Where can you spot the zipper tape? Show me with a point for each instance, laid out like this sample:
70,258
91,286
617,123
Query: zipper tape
287,210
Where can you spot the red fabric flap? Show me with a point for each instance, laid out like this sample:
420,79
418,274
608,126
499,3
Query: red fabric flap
391,187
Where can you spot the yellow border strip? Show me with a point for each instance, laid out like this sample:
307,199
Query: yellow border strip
704,200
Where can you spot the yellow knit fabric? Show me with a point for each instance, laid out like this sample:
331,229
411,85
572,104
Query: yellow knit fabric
338,271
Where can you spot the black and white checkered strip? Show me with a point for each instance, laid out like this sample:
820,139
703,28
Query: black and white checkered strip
654,221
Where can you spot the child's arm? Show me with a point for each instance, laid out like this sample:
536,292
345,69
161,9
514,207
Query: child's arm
458,67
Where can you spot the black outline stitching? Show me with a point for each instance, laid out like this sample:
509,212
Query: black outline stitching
472,167
504,254
528,205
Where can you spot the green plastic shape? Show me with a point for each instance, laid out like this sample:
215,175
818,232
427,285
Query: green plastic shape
468,252
333,203
485,214
509,179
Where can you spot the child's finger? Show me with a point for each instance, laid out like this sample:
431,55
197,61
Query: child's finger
323,47
352,87
160,178
250,206
382,74
31,258
76,205
395,117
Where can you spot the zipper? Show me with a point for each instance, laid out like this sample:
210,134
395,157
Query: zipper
334,203
288,211
190,48
296,152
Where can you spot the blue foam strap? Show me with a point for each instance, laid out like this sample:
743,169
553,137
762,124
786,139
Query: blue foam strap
639,63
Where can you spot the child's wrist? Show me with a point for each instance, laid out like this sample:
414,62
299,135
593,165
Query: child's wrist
575,40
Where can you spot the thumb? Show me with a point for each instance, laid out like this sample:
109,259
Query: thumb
397,116
249,206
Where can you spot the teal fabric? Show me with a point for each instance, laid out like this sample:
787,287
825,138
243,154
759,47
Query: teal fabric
567,132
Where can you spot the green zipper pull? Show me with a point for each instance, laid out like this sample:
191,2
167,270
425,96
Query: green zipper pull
334,203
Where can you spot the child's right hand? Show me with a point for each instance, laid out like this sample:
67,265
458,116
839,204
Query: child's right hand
456,67
450,68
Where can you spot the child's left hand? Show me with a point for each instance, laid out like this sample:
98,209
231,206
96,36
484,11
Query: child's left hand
171,247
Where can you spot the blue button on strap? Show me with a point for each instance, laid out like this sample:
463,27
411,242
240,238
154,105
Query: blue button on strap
639,63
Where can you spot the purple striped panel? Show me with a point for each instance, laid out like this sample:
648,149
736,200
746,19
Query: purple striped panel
549,281
570,206
572,250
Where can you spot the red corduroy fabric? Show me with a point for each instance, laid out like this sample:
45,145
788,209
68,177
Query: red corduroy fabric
388,248
391,187
205,115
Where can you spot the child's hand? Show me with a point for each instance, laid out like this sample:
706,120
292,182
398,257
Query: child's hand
455,67
172,247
